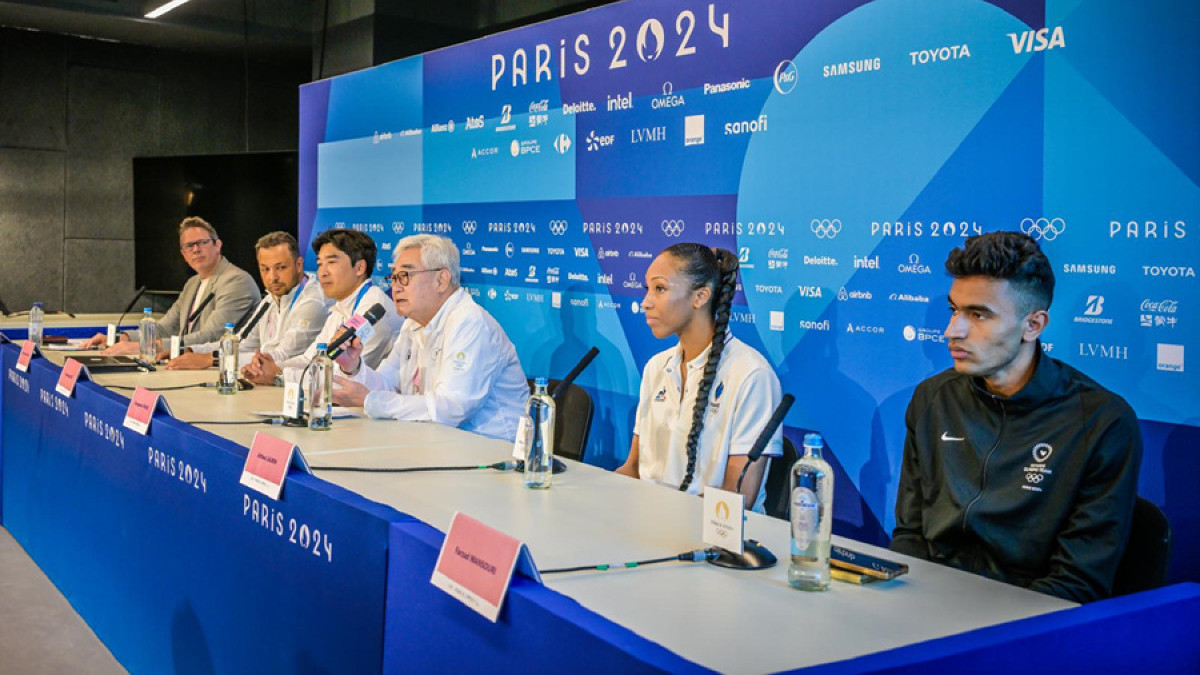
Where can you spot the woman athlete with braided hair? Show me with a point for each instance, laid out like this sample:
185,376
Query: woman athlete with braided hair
704,402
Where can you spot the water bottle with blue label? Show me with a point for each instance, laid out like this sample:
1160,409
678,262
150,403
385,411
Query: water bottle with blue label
539,458
811,518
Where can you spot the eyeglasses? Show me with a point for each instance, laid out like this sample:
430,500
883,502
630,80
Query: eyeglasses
195,245
404,276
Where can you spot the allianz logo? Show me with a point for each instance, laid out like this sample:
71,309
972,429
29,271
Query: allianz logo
489,270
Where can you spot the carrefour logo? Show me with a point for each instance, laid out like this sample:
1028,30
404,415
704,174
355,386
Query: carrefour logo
825,228
786,77
1043,229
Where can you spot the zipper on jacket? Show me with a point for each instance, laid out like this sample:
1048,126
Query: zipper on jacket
987,458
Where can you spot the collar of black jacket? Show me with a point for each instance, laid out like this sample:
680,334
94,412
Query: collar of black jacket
1039,389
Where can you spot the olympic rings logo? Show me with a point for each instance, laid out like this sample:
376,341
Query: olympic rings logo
673,228
826,228
469,226
1043,229
558,227
1035,477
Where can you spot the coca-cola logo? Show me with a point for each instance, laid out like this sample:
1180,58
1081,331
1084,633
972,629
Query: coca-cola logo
1160,306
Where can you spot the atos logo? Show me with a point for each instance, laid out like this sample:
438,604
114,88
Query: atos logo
475,122
786,77
596,141
468,226
1043,229
825,228
673,228
558,227
1037,40
397,226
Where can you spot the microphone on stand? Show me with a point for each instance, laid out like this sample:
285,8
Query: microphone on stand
561,389
251,318
372,316
755,556
128,307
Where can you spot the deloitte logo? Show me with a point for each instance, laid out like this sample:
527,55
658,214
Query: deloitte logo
786,77
1043,229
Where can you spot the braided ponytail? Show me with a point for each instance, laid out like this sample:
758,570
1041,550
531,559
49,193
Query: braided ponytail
719,272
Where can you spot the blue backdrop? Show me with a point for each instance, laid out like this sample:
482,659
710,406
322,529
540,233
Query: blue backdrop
842,148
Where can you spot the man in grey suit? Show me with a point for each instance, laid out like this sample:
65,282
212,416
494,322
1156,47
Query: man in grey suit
219,293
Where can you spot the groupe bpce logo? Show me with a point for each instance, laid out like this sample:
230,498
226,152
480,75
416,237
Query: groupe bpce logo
558,227
1043,229
673,227
826,228
469,226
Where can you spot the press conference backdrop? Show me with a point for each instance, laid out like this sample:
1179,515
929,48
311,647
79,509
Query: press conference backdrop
841,149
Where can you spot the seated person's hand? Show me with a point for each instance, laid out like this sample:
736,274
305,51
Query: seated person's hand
348,393
262,369
125,347
190,361
350,359
97,340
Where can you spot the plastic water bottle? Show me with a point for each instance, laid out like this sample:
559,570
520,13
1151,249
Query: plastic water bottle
539,459
812,518
320,391
36,318
228,379
147,337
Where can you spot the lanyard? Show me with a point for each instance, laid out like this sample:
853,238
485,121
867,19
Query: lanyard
299,290
363,291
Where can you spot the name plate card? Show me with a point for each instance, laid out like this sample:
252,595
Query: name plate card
267,464
26,356
68,378
476,564
724,520
141,410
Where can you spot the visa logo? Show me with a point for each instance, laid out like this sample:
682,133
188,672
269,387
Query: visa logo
1036,40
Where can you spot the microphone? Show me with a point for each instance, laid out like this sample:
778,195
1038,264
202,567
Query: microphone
372,315
755,555
570,378
130,306
187,325
243,327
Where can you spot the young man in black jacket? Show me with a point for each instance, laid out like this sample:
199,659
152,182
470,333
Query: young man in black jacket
1016,466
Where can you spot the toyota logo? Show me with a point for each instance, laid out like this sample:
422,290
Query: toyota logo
826,228
1043,229
673,228
558,227
469,226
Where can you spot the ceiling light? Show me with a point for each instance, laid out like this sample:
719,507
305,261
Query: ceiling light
155,13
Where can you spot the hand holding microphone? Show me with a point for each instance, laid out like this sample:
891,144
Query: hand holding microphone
356,326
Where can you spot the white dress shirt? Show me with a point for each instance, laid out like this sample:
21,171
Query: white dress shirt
375,347
744,394
460,370
288,327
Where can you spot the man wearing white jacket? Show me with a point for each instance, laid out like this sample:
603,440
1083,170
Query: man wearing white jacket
452,362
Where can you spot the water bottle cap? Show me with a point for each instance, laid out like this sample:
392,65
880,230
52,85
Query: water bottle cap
321,346
229,327
541,382
37,304
814,440
147,310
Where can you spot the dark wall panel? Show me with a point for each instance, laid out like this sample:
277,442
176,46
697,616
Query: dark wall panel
33,91
202,106
93,284
31,227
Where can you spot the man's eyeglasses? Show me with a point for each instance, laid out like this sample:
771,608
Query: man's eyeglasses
196,245
404,276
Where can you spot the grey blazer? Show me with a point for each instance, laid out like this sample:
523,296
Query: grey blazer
234,293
